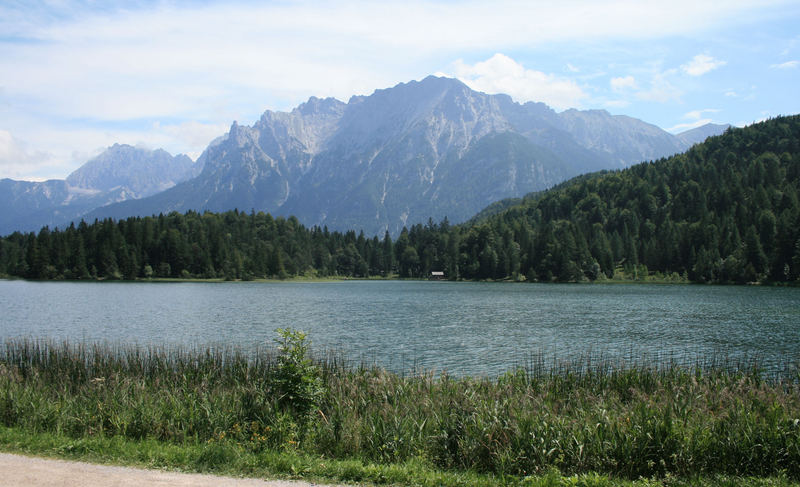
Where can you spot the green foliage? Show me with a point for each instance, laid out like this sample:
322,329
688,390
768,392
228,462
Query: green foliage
725,211
588,416
296,380
228,458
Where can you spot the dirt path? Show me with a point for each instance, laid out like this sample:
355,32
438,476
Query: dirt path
18,470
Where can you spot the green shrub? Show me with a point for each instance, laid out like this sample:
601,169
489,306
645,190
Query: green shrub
296,381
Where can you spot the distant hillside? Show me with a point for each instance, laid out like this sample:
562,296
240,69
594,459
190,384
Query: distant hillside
699,134
725,211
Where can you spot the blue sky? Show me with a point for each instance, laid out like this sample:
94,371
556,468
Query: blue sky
78,76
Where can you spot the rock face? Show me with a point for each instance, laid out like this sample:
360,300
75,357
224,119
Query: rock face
623,140
137,172
423,149
118,174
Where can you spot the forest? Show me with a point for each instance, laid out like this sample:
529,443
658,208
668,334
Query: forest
725,211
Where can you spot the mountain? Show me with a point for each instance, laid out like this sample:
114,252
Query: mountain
699,134
119,173
419,150
726,210
134,171
624,140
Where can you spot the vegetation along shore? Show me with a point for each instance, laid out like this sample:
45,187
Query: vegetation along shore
278,412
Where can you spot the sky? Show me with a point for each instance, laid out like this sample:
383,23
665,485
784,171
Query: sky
77,76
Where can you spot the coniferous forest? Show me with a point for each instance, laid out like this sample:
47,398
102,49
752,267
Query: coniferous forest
725,211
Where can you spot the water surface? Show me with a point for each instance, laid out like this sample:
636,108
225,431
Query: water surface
464,327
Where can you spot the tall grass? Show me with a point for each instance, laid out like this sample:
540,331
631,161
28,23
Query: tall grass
640,419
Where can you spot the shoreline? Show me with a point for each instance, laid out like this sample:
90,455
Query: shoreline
332,279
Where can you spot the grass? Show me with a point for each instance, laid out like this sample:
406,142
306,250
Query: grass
229,458
233,460
273,413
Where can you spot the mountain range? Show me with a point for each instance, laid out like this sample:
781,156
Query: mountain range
425,149
121,172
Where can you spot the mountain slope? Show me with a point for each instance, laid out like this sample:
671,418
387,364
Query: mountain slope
136,171
623,139
727,210
422,149
699,134
119,173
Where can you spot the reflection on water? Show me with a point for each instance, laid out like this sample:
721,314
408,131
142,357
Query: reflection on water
464,328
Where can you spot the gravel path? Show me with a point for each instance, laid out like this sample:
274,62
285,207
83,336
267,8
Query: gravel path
18,470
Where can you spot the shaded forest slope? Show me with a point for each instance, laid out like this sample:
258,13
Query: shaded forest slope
724,211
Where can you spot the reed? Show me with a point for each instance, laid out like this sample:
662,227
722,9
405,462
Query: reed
589,415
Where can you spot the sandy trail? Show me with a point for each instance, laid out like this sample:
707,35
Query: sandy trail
19,470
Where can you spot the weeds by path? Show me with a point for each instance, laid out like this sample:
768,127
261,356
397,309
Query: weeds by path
219,406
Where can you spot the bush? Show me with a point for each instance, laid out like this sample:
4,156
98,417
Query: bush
296,380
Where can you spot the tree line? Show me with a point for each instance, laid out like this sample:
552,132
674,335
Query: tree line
725,211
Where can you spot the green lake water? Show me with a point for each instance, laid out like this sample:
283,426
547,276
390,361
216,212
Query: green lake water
463,328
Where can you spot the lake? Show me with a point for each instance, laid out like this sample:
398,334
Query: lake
462,327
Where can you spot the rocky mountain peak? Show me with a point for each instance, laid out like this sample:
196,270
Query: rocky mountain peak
422,149
140,172
320,106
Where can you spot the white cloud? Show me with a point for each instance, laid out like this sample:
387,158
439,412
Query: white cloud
786,65
623,83
501,74
749,94
409,23
70,147
697,119
170,60
17,161
661,90
682,127
701,64
698,114
195,135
